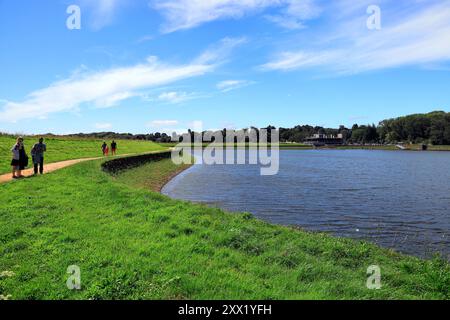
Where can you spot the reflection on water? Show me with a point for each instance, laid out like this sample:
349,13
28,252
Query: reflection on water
397,199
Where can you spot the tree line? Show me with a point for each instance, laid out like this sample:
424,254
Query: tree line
430,128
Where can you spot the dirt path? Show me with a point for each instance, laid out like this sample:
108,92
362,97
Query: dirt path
62,164
47,168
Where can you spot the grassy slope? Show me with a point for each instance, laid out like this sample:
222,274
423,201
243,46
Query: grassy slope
134,244
151,176
60,149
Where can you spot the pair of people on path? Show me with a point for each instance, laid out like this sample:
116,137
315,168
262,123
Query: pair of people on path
105,148
20,158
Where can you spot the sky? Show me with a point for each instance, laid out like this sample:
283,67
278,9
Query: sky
144,66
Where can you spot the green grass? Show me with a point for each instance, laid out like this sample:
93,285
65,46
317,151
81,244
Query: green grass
59,149
365,147
131,243
151,176
293,146
430,147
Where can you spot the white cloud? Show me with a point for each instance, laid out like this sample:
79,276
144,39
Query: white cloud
287,61
186,14
171,126
229,85
101,12
113,100
102,88
103,126
177,97
295,13
162,123
417,38
220,51
106,88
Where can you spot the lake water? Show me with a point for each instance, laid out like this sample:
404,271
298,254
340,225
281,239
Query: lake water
397,199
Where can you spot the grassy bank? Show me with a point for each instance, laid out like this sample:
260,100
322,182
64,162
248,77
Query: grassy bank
151,176
131,243
60,149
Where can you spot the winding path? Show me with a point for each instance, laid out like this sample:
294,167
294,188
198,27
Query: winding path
47,168
66,163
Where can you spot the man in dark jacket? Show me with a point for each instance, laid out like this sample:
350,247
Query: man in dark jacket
37,152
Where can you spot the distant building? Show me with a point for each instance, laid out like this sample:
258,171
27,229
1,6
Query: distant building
320,139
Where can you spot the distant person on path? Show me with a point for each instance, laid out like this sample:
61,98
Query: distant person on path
37,153
113,148
104,146
15,162
107,151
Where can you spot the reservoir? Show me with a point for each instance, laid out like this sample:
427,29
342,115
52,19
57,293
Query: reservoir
397,199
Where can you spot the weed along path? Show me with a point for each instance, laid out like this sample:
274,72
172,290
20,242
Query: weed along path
47,168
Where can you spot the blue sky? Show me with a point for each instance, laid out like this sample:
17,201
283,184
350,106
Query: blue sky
149,65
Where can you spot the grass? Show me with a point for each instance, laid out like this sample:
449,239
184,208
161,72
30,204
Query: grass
131,243
151,176
59,149
430,147
293,146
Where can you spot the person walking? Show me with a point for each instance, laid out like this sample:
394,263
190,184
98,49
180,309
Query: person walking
113,148
37,154
104,145
15,162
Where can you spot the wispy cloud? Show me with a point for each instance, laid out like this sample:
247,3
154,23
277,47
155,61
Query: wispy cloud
162,123
101,12
103,126
103,89
295,14
220,51
186,14
229,85
414,38
171,126
175,97
145,38
109,87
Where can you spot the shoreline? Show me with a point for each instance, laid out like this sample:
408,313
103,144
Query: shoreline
295,227
299,146
172,176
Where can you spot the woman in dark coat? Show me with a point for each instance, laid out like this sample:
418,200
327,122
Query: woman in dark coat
23,158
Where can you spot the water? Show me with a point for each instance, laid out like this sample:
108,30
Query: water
396,199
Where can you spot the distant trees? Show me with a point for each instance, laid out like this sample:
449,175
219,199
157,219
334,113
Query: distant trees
364,134
156,137
431,128
298,133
